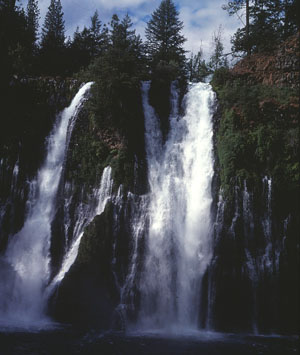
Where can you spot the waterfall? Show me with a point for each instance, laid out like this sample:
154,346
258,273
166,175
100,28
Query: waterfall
27,254
178,241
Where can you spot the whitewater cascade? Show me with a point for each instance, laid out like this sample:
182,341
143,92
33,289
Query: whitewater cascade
178,247
27,255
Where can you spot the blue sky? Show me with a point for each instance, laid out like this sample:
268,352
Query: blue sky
201,17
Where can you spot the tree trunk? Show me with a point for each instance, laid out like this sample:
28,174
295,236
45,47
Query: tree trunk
247,28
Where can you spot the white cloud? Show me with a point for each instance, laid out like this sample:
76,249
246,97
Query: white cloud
119,4
201,20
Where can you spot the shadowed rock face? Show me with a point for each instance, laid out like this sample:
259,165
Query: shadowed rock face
87,295
252,281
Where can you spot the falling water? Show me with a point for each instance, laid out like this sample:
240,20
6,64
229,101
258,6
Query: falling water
95,206
27,254
178,242
267,224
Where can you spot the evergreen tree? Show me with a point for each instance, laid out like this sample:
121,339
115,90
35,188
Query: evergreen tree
14,40
217,59
53,57
115,30
87,44
266,23
124,38
163,33
197,67
99,35
95,24
53,31
117,73
32,14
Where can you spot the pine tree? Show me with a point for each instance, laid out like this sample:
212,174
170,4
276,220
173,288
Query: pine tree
53,32
99,35
163,33
95,24
13,41
87,44
53,56
115,30
118,72
217,59
266,23
32,14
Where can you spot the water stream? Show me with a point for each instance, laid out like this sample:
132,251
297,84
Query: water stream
178,245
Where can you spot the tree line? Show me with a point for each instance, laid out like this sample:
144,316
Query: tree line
265,24
25,50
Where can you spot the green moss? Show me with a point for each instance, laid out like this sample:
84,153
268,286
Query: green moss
89,155
106,135
123,169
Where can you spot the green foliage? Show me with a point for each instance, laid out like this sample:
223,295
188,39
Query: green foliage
53,32
15,42
117,74
220,78
53,40
123,168
87,44
267,23
87,160
32,14
257,134
114,132
164,38
197,67
217,59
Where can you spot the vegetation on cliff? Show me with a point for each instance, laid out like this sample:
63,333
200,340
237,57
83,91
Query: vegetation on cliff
258,131
113,121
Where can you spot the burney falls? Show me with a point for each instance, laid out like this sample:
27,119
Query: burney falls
149,177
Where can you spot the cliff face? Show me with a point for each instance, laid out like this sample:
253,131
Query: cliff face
252,281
